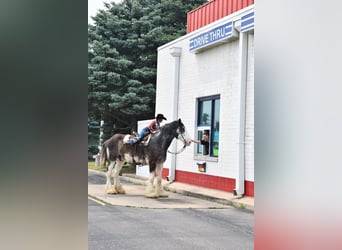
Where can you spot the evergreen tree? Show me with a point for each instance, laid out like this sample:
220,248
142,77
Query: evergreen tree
122,47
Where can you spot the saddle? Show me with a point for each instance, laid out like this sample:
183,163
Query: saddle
144,141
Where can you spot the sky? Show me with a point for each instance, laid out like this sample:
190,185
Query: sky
95,5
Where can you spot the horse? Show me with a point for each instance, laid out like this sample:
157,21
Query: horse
117,150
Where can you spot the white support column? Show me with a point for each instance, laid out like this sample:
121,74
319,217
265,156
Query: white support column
176,53
240,171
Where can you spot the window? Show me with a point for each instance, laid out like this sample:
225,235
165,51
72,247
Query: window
208,122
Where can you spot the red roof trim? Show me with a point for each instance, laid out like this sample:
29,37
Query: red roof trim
212,11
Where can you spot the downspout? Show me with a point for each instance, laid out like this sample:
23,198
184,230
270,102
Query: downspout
240,173
176,53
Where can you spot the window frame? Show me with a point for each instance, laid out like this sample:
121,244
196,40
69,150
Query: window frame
198,151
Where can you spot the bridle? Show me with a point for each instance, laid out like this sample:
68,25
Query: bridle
182,149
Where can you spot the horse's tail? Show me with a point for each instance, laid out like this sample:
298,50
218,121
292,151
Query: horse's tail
103,155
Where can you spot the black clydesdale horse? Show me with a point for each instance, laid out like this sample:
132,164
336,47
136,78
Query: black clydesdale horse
117,151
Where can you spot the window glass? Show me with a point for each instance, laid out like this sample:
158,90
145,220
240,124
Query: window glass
199,146
216,128
204,113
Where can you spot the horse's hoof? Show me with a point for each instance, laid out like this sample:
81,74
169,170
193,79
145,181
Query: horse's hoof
120,190
153,196
111,191
163,194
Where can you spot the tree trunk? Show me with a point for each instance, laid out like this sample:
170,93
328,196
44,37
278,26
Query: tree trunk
134,125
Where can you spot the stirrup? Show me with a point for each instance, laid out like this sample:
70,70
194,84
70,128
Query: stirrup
148,140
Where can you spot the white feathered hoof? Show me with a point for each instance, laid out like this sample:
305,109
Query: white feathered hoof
111,190
159,190
151,195
163,194
120,189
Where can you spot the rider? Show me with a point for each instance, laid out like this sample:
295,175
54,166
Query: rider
151,128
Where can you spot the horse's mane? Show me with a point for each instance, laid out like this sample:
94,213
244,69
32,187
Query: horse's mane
170,125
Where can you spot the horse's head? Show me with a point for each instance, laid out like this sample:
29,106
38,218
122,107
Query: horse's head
182,134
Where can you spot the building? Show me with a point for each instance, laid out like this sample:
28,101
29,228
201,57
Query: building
206,78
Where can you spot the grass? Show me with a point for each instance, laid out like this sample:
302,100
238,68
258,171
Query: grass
91,165
242,206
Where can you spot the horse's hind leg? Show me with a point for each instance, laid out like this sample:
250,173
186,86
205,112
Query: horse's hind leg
117,185
109,189
159,189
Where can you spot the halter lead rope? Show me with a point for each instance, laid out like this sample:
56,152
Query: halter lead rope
179,151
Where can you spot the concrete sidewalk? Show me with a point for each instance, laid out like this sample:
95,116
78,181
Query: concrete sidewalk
225,198
221,198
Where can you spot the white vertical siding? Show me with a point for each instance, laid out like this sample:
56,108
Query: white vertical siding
249,127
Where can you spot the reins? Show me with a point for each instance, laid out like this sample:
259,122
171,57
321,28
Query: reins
179,151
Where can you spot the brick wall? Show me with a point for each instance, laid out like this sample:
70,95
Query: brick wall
210,72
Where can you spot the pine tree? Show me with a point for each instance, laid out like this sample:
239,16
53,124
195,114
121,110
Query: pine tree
122,47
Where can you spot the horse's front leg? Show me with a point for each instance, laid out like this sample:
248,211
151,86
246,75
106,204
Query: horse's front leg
159,189
109,188
150,189
117,185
